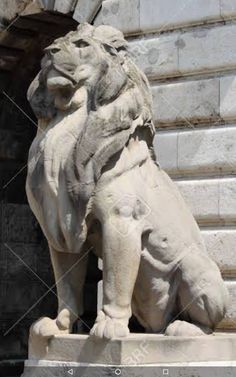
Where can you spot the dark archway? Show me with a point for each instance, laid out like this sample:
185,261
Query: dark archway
23,249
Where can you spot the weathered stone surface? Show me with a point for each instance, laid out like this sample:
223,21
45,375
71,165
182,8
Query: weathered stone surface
64,6
158,56
211,200
10,9
47,4
152,349
227,199
227,97
122,14
199,151
161,15
166,149
220,244
182,53
228,8
207,49
202,198
112,102
230,318
186,102
86,10
166,14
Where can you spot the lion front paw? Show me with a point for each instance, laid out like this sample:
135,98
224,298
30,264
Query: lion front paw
110,328
46,328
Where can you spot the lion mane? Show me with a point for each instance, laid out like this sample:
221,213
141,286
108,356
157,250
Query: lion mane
118,103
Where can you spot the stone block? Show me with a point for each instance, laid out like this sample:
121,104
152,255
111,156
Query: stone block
47,4
202,198
64,6
86,10
168,14
186,102
211,200
207,49
227,199
166,149
158,56
227,97
152,348
220,244
230,318
210,150
228,8
122,14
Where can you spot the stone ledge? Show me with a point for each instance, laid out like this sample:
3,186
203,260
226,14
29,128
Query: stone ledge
139,349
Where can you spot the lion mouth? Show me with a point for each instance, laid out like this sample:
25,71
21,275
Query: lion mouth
56,81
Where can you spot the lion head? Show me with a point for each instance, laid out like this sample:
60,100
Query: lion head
82,58
94,61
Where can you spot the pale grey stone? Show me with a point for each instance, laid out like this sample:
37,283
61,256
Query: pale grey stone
47,4
93,180
228,8
227,199
200,151
229,321
208,49
64,6
202,198
168,14
157,57
86,10
220,244
166,148
227,97
186,102
140,349
122,14
211,200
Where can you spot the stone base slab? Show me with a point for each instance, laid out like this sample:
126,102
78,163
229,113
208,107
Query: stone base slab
137,349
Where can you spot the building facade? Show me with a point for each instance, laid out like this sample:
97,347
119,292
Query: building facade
187,49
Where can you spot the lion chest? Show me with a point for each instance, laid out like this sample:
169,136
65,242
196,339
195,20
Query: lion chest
47,191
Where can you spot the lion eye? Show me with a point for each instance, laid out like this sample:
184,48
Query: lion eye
80,43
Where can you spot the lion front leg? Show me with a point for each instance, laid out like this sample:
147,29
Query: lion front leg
70,271
121,259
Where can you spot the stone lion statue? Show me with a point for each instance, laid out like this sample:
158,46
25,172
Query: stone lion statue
93,182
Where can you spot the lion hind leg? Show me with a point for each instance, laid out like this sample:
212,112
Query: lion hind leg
183,328
200,310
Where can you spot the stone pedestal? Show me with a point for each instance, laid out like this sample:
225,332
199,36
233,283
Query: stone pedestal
138,355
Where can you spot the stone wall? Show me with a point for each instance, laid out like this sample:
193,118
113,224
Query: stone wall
187,49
